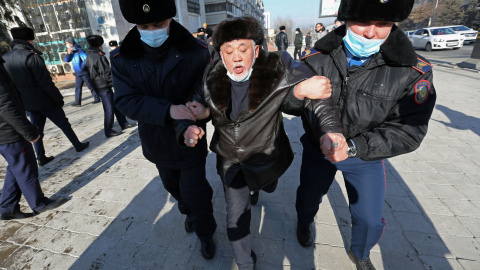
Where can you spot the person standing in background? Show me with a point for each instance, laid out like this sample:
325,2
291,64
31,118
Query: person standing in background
298,44
281,40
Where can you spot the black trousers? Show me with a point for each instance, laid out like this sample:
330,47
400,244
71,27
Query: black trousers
110,110
298,51
189,186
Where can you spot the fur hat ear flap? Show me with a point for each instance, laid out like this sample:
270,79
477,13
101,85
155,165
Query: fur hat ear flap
246,27
375,10
24,33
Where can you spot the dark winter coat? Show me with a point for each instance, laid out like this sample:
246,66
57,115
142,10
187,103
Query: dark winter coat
256,143
308,42
145,88
281,40
31,76
298,39
14,125
99,70
386,103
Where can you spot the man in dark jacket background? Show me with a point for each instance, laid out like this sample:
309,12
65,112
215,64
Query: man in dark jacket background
77,56
385,95
40,96
154,72
246,92
308,41
16,136
281,40
100,74
298,44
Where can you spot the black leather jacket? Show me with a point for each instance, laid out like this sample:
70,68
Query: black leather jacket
31,76
386,103
257,143
14,125
281,40
99,70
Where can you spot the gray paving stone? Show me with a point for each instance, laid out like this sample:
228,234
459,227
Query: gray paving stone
9,229
100,248
41,238
18,258
462,208
428,244
149,257
79,244
401,204
447,192
469,264
328,235
138,231
50,260
6,249
472,224
446,225
21,235
470,192
332,258
463,247
123,253
398,260
433,262
434,206
414,222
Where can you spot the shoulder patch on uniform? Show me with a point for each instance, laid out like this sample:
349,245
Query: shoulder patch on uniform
310,52
422,66
115,55
202,43
422,88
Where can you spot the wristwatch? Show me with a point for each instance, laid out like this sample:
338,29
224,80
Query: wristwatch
352,148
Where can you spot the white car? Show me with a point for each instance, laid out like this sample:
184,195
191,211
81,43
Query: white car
469,34
434,38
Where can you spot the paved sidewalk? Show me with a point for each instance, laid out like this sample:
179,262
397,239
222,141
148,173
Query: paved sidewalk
119,216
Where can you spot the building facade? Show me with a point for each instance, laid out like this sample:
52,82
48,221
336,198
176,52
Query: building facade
219,10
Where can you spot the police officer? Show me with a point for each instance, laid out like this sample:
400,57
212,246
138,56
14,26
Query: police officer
154,71
77,56
113,44
201,34
281,40
16,136
40,96
298,44
385,95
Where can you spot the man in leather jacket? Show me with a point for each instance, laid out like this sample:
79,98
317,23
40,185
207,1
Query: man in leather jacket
246,106
385,95
281,40
100,74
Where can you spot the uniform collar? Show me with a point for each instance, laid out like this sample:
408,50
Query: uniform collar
23,44
397,50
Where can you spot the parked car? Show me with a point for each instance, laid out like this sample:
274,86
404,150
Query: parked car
408,33
433,38
469,34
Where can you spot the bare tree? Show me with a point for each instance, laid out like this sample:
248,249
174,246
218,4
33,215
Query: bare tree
288,23
471,15
448,12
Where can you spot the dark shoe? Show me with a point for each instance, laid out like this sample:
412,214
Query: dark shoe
128,125
113,133
208,249
51,204
15,215
76,105
304,235
254,198
82,147
188,226
95,102
361,265
254,257
43,161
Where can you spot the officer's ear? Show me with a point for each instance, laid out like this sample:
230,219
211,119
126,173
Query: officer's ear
257,50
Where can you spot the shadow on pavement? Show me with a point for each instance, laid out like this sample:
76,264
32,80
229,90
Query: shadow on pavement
459,120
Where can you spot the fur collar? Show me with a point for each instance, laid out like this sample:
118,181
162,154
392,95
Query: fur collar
266,72
396,50
179,37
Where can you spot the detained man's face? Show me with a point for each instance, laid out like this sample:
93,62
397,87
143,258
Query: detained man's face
371,29
238,56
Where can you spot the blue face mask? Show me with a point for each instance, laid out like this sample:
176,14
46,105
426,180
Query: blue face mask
360,46
154,38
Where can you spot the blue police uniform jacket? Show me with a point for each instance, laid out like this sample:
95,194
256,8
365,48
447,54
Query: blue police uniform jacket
146,87
78,58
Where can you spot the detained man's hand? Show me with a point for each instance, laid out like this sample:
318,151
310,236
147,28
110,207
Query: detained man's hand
198,110
334,147
192,135
179,112
36,139
317,87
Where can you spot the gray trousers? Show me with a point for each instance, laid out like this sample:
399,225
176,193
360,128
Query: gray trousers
238,225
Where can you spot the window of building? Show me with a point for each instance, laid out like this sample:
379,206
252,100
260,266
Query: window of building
193,6
216,7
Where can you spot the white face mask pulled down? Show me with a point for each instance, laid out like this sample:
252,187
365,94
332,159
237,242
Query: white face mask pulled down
234,77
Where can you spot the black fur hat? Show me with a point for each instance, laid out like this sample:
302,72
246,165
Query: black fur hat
24,33
375,10
246,27
95,41
282,28
147,11
112,43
